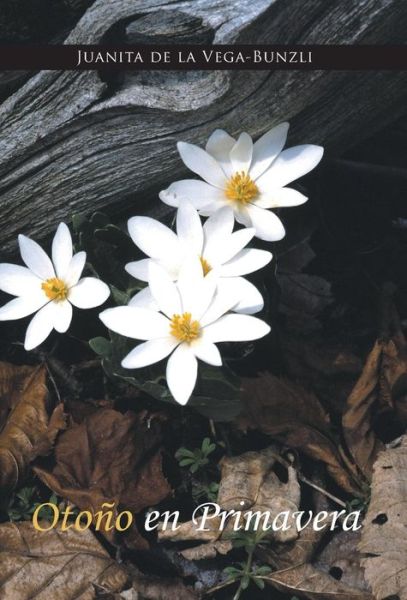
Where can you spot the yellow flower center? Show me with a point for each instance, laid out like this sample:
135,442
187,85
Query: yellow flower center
206,267
241,188
184,328
55,289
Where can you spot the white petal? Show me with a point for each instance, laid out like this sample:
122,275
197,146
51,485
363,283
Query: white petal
241,153
88,293
207,351
139,268
225,299
267,225
236,328
213,207
62,250
154,239
202,163
282,197
219,146
182,368
196,291
22,307
189,228
216,229
75,268
18,280
198,193
233,245
164,290
35,258
149,353
247,261
135,322
40,327
290,165
144,299
267,148
242,215
62,316
250,299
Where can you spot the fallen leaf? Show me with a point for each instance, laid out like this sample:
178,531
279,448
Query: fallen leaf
160,588
247,482
384,541
26,430
295,417
209,550
341,559
51,565
334,574
380,388
308,582
110,457
357,420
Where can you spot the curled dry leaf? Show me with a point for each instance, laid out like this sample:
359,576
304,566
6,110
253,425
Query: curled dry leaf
335,574
384,533
51,565
26,430
110,458
247,482
307,581
160,588
372,389
294,416
341,559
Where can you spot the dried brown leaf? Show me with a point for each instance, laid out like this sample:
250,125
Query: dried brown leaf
209,550
26,431
160,588
110,457
294,416
51,565
357,420
384,533
247,482
307,581
341,559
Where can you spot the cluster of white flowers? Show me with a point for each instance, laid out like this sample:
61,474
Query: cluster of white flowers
196,294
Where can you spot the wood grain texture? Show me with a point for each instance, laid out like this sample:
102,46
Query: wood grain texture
71,142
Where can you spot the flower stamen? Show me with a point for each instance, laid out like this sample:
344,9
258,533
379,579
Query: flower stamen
184,328
55,289
206,267
241,188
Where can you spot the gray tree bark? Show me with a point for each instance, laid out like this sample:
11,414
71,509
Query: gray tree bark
71,142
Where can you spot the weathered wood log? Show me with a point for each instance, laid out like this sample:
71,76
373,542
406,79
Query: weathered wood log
72,142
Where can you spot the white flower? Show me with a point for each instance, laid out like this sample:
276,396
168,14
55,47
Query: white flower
222,252
249,177
51,288
192,319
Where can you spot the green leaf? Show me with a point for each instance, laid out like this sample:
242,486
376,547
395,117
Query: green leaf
258,582
100,346
185,462
265,570
121,298
184,452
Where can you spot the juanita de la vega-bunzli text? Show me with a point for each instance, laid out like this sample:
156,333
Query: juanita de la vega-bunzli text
204,518
189,57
